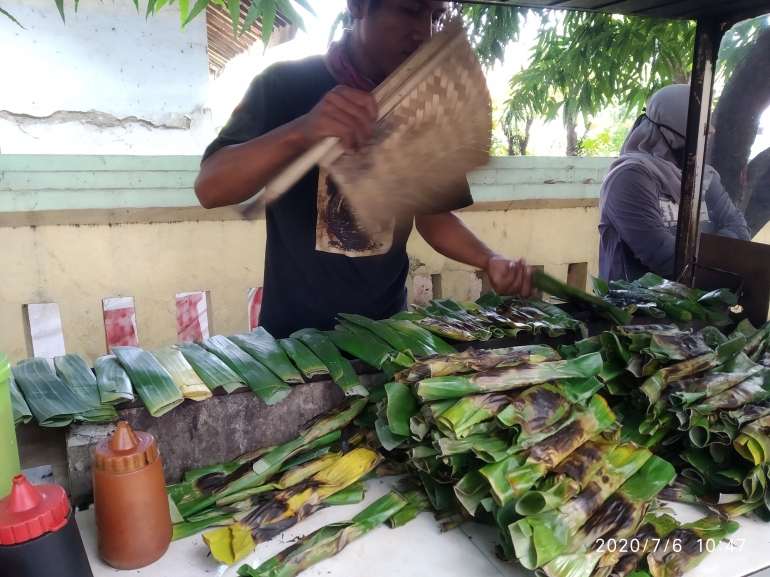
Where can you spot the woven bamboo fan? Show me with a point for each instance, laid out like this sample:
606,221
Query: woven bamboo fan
434,126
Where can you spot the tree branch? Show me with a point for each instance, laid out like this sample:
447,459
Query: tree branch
758,176
736,119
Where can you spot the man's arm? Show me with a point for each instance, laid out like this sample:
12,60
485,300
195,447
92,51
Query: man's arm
235,173
450,237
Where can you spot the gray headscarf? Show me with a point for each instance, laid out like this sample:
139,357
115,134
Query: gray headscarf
650,142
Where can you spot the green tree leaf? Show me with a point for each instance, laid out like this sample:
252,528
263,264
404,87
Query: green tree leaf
268,21
4,13
234,6
255,11
287,8
200,6
60,6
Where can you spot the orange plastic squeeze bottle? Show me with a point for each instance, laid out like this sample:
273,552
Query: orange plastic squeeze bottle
132,514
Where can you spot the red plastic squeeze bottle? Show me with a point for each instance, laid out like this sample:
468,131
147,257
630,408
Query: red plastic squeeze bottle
38,533
132,514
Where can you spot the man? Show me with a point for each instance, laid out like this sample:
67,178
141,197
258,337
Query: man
639,199
319,262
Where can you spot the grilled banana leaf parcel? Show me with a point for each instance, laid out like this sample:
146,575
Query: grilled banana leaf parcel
155,386
692,539
654,529
540,538
327,541
232,543
506,379
477,361
617,519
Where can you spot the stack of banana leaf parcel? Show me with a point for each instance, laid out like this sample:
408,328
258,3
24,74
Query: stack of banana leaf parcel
700,400
519,438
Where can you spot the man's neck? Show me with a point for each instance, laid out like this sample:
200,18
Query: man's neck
360,59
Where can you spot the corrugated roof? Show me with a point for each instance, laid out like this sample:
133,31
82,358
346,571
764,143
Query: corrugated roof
689,9
223,46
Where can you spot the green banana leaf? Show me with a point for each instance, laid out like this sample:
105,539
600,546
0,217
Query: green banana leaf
259,378
262,346
416,502
51,400
327,541
753,442
352,495
19,407
210,368
551,494
417,333
388,439
402,406
471,490
112,381
340,369
184,375
581,298
309,364
499,380
152,382
74,370
373,352
668,562
659,284
396,339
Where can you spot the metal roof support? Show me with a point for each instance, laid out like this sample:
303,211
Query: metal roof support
709,34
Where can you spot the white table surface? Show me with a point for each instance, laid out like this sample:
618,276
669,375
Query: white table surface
417,549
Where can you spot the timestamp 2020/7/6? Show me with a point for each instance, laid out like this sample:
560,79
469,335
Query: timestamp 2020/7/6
675,545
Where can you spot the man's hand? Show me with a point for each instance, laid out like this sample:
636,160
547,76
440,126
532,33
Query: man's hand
343,113
509,277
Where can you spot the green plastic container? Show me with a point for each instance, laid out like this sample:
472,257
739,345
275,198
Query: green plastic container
9,452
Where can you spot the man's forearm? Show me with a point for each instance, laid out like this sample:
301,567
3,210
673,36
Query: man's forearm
235,173
450,237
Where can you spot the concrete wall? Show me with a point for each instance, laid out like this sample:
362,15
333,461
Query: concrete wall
109,81
75,230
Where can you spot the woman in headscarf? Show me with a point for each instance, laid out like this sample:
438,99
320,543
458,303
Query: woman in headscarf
640,196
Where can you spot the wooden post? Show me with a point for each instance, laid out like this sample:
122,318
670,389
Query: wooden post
708,37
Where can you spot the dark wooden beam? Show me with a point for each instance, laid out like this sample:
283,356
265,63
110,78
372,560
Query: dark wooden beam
708,37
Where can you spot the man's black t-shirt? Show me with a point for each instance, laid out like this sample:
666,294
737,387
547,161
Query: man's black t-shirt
318,261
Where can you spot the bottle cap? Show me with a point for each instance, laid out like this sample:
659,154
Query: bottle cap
126,451
30,511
